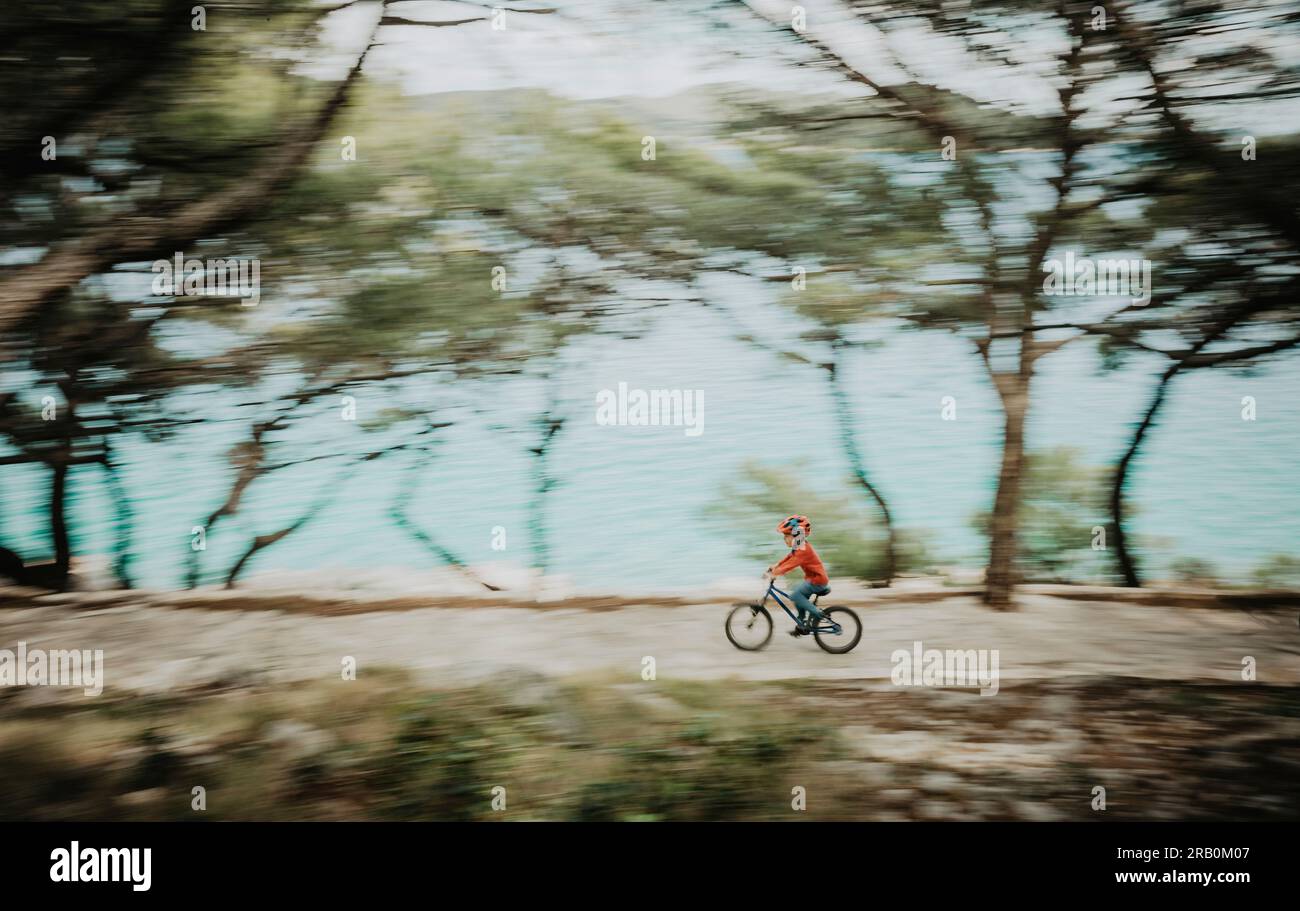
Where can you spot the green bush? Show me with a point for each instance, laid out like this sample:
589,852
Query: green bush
1062,500
848,532
1195,571
1278,571
434,767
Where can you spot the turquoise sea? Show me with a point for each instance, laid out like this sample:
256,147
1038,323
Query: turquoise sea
630,510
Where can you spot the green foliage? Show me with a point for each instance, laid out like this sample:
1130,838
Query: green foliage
384,749
834,301
706,775
1063,499
435,767
1278,571
847,532
389,260
1195,571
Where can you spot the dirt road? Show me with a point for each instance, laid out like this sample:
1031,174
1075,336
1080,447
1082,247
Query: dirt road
153,648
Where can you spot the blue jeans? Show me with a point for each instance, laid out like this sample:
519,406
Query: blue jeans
800,598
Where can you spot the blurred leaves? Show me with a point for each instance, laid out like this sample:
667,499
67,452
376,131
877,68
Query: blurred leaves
1063,500
847,533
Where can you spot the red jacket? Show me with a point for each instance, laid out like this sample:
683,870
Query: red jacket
804,556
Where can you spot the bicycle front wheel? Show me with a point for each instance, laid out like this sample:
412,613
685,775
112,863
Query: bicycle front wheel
850,631
749,627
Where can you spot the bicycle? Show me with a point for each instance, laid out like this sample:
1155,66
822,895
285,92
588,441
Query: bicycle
749,626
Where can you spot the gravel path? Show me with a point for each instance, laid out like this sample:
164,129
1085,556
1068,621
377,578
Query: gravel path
153,648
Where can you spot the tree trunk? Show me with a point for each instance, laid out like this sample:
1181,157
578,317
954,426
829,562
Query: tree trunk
59,521
542,483
549,424
1000,576
27,288
1127,565
849,443
124,520
327,496
398,511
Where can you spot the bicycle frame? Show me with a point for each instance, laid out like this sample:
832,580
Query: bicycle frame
776,593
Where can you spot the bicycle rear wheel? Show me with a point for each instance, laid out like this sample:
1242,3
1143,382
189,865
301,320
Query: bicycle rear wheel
846,639
749,627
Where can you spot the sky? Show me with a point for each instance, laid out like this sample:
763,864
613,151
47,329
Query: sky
611,48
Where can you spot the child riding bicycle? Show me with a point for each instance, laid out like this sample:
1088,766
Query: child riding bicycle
796,530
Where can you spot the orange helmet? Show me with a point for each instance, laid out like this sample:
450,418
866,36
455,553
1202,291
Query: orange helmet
790,523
